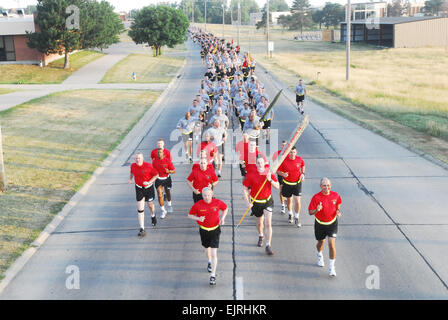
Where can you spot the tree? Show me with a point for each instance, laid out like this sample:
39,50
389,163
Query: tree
68,25
54,36
318,17
158,26
278,6
333,14
247,7
396,8
300,10
104,27
262,22
433,7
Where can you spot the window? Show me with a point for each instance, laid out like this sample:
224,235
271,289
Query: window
7,52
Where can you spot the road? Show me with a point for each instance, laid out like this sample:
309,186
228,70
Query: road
392,241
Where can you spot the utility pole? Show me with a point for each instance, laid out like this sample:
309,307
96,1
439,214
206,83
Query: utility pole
239,21
205,14
348,36
223,19
267,26
192,11
2,167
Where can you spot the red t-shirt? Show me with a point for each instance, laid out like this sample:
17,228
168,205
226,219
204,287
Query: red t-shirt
242,148
143,173
209,210
276,154
294,168
202,179
250,160
161,165
330,204
166,153
210,147
254,180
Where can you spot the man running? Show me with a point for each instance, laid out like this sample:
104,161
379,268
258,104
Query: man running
144,176
200,178
325,206
208,148
218,136
206,213
186,126
263,203
300,95
292,170
165,168
160,145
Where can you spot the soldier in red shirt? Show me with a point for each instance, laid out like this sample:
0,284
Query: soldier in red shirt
165,168
201,177
206,213
161,145
250,158
325,206
144,176
242,148
208,147
292,171
263,203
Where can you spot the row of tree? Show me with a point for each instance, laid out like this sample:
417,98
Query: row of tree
399,8
88,24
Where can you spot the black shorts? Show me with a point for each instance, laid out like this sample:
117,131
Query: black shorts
300,98
267,124
187,137
280,180
321,231
210,239
258,208
165,183
289,190
197,197
243,170
147,193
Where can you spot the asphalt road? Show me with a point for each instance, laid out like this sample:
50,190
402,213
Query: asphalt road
392,241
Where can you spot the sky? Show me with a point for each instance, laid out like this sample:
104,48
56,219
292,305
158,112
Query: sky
126,5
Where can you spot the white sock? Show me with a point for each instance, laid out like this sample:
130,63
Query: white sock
332,261
290,213
141,219
296,215
267,244
162,208
319,254
169,203
260,235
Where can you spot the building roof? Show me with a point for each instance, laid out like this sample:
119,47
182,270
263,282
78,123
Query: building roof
393,20
16,25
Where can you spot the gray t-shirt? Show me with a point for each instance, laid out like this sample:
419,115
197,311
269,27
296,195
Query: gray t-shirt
216,135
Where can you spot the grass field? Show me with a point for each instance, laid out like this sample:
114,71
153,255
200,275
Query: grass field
149,69
406,85
51,147
53,73
5,91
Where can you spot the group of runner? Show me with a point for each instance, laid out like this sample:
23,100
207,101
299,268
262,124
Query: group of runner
231,90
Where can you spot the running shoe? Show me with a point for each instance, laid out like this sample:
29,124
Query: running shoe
209,267
142,233
163,214
269,250
332,272
302,111
267,141
191,160
283,210
291,218
170,209
212,281
153,220
297,222
260,241
320,261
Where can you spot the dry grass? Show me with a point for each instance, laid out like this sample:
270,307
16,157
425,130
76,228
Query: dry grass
51,147
53,73
6,91
149,69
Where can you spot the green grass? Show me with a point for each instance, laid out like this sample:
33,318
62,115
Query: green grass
6,91
149,69
51,147
53,73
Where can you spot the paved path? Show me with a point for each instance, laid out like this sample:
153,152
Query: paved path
394,222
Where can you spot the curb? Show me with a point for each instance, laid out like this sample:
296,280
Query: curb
133,136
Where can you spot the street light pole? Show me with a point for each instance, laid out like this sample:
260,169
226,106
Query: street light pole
239,20
223,19
205,14
348,38
267,26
